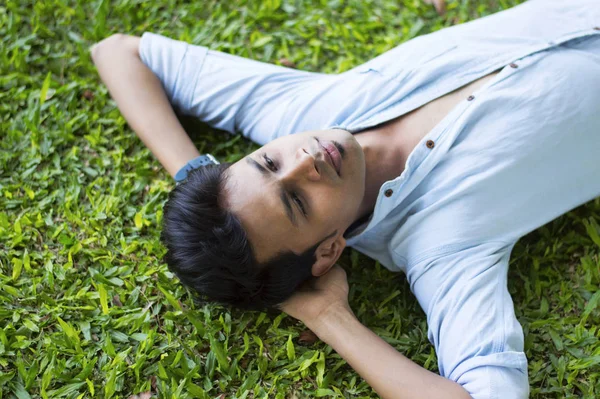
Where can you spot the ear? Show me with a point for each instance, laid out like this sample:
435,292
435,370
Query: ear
327,254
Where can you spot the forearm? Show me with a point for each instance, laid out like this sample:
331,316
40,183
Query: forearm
388,372
142,101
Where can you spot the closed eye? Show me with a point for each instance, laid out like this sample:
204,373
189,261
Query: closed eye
283,194
271,165
298,202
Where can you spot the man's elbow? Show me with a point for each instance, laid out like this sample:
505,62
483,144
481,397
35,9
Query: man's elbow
115,42
110,41
464,395
460,393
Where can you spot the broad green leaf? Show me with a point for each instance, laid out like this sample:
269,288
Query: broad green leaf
17,267
324,392
262,41
103,298
249,382
196,391
593,230
591,306
291,352
170,298
45,87
31,325
66,390
138,220
68,330
320,369
20,392
90,385
217,348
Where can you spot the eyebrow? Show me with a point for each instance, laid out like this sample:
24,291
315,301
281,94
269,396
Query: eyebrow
282,194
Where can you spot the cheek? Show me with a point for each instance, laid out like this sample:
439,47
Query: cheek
325,202
335,205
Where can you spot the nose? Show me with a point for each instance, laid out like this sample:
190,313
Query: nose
303,166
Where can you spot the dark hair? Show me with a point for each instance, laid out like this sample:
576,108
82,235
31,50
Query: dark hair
209,251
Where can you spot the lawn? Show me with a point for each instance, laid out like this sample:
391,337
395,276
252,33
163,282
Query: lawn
88,308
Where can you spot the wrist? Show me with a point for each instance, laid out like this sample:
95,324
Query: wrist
330,320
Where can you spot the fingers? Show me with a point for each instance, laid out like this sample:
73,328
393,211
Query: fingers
337,271
335,277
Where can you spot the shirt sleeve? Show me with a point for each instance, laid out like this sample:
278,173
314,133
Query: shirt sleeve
471,321
236,94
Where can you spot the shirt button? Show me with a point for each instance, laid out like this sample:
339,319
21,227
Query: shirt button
389,192
470,98
430,144
513,65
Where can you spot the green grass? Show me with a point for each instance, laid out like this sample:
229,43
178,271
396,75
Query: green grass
88,309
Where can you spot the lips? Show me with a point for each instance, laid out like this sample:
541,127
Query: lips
334,158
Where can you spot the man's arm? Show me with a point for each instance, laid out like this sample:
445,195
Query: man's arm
142,101
388,372
327,313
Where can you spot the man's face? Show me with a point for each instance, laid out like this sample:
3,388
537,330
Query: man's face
289,194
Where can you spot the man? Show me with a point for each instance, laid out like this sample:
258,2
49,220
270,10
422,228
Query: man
433,158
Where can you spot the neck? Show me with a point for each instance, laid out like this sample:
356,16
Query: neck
385,158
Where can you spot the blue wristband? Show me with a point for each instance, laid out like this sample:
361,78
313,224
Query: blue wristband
202,160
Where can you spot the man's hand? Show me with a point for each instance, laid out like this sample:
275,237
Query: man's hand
312,303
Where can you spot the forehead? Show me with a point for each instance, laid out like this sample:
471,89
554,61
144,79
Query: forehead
254,199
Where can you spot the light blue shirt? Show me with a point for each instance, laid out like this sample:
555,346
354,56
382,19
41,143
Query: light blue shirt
520,151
